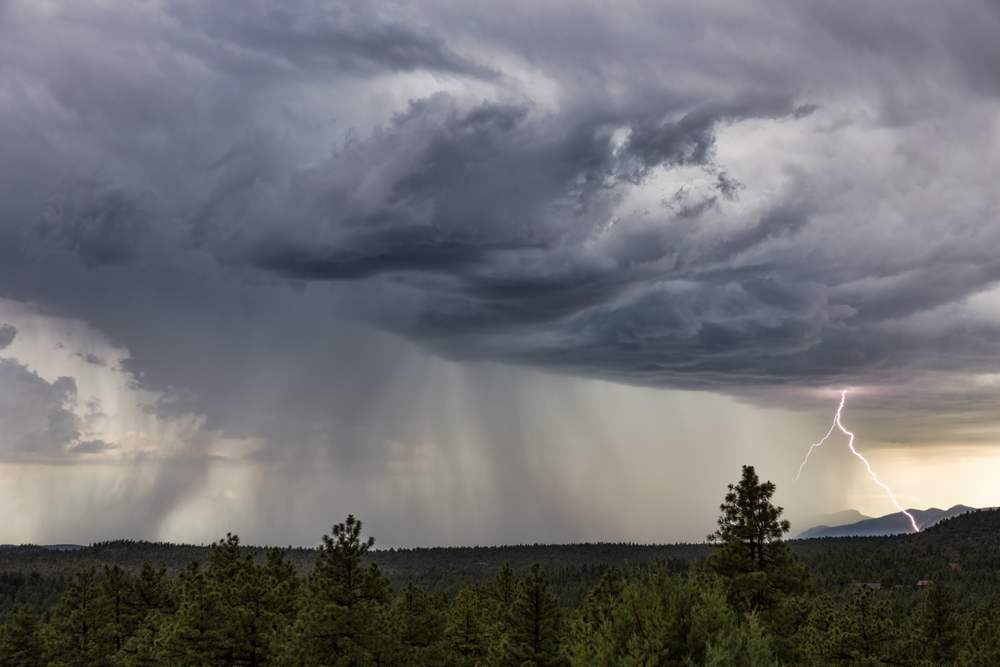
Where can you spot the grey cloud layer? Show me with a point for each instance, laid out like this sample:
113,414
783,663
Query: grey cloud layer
316,38
7,334
494,228
99,223
34,417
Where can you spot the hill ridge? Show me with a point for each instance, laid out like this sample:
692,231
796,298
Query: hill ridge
891,524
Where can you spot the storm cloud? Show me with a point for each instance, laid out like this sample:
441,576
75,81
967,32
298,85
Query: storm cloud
33,414
755,199
504,224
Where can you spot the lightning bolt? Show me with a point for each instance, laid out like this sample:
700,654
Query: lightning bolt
850,443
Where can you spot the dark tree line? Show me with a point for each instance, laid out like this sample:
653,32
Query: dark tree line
753,601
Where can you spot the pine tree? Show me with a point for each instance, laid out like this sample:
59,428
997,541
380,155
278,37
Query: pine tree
749,523
631,621
752,558
937,624
153,601
982,646
20,644
78,634
466,628
503,590
862,633
231,614
191,636
534,625
117,590
741,645
656,619
420,626
342,619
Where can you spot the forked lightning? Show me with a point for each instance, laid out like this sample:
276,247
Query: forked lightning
850,443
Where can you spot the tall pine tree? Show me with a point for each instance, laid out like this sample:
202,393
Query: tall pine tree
342,617
466,628
534,623
752,556
78,634
231,614
20,644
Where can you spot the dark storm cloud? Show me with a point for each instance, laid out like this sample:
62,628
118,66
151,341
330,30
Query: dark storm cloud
689,141
496,207
7,334
98,222
485,212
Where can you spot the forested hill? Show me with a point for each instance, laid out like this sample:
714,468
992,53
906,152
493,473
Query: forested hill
971,541
574,568
442,569
966,547
550,556
128,554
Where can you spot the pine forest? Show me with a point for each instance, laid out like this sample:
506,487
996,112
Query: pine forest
745,597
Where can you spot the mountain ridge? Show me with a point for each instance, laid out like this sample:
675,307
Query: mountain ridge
890,524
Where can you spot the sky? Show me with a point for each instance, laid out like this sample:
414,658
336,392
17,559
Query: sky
486,273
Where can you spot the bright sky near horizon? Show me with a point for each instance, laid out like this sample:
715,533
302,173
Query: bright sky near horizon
486,274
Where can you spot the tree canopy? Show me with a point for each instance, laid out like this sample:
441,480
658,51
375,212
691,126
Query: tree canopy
748,603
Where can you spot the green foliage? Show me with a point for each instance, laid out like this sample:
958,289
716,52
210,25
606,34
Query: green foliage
468,626
982,646
20,643
420,624
534,623
342,617
152,600
937,625
233,612
19,588
80,633
123,617
748,603
230,606
503,592
862,634
749,523
651,618
573,569
756,564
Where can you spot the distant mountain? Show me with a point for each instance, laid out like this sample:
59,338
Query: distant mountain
829,520
890,524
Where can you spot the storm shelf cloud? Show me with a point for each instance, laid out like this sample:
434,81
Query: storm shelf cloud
261,218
